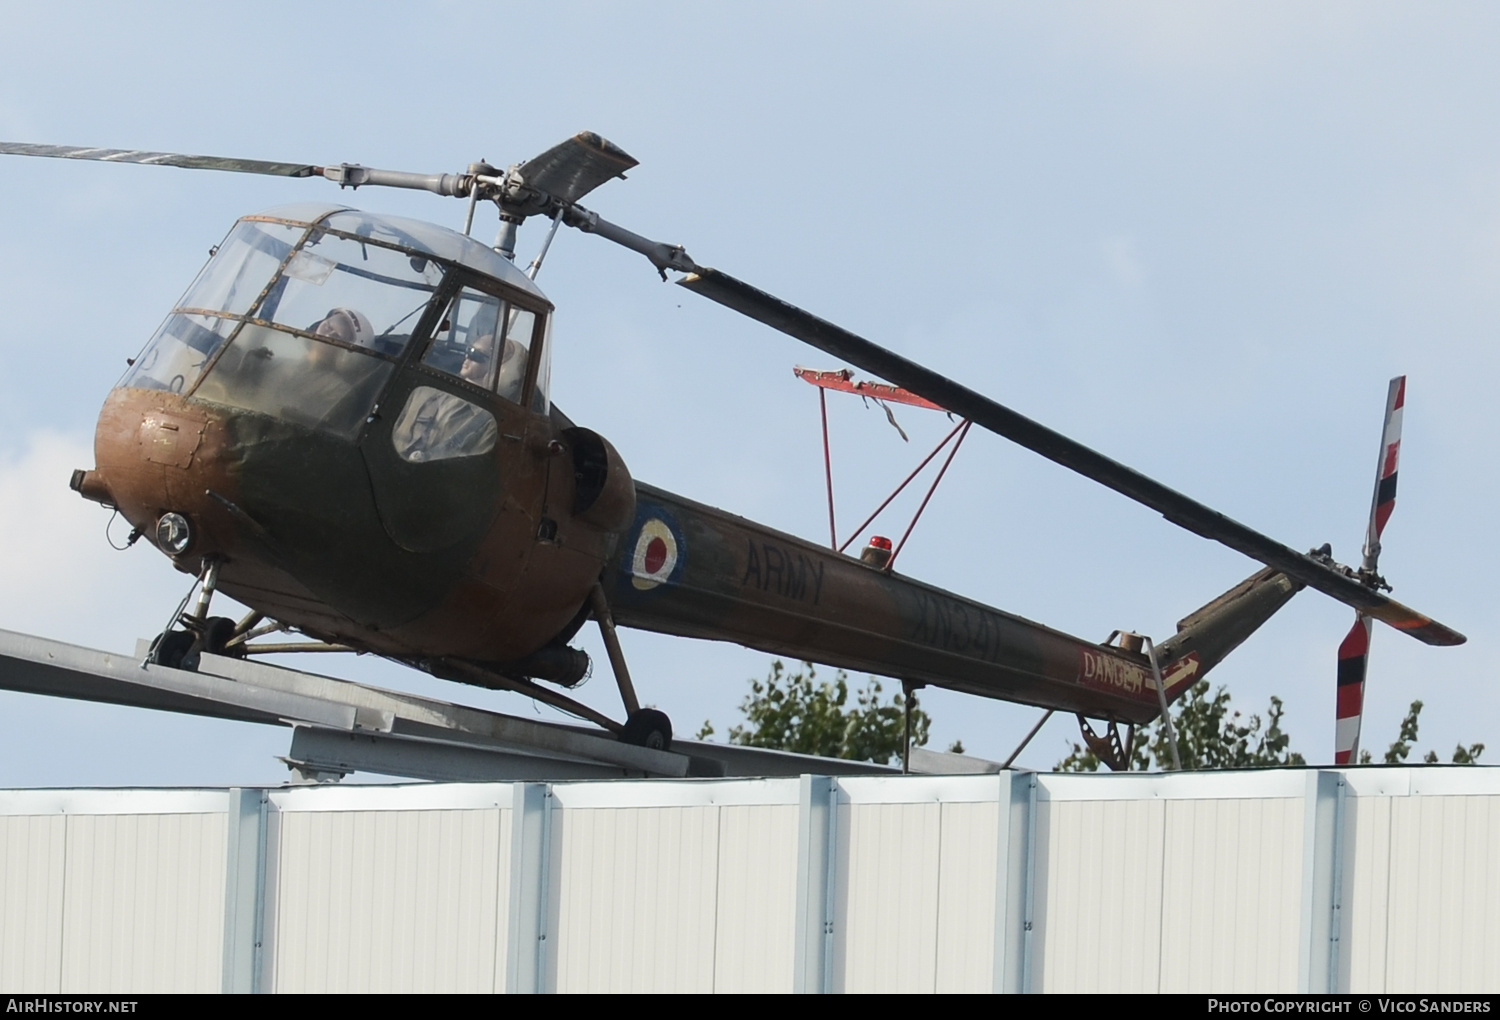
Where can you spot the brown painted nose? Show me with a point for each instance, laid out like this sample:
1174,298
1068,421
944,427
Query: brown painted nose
158,453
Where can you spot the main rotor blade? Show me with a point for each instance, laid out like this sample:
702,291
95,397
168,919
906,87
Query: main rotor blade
350,175
1174,506
571,169
243,166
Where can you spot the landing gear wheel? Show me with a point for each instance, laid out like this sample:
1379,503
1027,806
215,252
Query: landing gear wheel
170,648
217,630
648,728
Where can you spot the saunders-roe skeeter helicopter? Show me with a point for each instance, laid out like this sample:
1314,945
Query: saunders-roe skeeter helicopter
345,425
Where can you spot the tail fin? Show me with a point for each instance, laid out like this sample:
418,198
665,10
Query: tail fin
1205,636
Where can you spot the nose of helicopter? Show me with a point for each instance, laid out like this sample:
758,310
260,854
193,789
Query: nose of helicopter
157,455
288,512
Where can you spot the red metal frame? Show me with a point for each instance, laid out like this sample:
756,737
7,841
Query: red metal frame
842,381
833,538
941,472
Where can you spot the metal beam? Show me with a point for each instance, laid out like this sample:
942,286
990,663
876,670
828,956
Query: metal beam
34,665
412,715
342,726
332,751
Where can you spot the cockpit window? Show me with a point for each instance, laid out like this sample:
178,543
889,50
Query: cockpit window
175,357
241,267
298,321
298,379
360,293
234,278
541,402
435,425
314,344
464,343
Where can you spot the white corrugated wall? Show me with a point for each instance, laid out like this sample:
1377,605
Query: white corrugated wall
119,891
674,887
385,891
1423,887
1363,880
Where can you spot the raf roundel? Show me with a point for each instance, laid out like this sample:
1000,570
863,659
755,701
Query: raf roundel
655,555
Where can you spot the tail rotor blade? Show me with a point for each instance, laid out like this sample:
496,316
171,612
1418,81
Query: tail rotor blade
1384,500
1354,660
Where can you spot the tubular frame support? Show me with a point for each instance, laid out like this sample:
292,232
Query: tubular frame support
963,431
902,487
469,673
1027,739
616,653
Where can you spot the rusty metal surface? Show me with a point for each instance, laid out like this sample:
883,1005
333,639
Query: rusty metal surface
311,530
692,570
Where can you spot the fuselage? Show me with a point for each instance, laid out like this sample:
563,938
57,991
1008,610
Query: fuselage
349,415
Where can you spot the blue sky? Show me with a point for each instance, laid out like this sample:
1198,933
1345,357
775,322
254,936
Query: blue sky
1198,237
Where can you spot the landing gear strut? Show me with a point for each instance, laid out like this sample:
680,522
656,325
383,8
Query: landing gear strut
644,727
183,648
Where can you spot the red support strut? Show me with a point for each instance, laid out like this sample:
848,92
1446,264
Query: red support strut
833,538
843,381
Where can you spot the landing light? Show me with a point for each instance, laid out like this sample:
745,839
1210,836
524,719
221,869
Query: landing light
173,534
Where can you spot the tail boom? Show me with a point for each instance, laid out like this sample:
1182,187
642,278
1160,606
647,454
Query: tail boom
691,570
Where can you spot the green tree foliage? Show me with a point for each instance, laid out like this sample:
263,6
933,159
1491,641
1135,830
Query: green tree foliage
1401,747
796,712
1210,735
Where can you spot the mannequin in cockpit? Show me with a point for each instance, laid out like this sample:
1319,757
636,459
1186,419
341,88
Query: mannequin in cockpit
347,325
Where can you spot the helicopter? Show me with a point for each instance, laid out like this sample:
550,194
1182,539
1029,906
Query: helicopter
345,424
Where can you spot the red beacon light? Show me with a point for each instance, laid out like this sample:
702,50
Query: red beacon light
878,553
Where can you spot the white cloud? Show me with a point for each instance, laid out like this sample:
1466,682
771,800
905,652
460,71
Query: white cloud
58,576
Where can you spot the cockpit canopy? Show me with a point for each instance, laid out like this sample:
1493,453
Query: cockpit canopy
305,313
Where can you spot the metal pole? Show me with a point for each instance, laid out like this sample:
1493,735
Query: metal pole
1028,906
1034,731
469,215
906,743
536,263
1161,699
